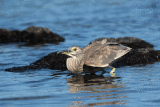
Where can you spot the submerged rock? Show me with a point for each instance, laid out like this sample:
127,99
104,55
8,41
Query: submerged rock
142,53
31,36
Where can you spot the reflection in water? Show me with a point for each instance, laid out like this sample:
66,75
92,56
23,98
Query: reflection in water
92,84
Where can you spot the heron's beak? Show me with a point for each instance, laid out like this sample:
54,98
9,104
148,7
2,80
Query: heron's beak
60,52
71,50
67,52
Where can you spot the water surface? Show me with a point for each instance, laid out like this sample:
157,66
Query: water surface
79,22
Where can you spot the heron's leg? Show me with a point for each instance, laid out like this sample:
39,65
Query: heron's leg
113,69
81,68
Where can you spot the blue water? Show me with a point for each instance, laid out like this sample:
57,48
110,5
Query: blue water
79,22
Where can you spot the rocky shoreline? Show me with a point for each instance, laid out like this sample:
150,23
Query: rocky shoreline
142,53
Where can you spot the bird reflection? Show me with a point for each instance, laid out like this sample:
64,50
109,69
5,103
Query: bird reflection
78,82
92,83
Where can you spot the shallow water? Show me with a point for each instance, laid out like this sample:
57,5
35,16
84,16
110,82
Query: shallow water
79,22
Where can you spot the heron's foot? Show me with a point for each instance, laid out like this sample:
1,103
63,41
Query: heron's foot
112,71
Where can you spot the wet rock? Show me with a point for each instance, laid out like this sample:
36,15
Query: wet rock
132,42
53,61
142,53
139,57
31,36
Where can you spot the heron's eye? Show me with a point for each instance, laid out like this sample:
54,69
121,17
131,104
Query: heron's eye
75,49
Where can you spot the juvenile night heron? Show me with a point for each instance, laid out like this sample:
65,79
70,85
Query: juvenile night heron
96,54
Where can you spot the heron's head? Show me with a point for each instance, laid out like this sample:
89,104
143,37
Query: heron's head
73,51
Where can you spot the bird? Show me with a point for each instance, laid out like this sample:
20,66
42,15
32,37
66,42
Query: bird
97,54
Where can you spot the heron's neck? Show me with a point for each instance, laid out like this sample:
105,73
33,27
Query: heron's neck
78,57
75,64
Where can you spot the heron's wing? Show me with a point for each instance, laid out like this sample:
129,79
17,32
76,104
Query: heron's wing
101,55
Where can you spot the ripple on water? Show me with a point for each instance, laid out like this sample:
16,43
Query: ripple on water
79,22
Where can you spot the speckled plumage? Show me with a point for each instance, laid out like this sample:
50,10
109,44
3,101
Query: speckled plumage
96,54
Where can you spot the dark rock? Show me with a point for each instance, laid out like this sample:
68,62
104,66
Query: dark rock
142,53
139,57
52,61
31,36
132,42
